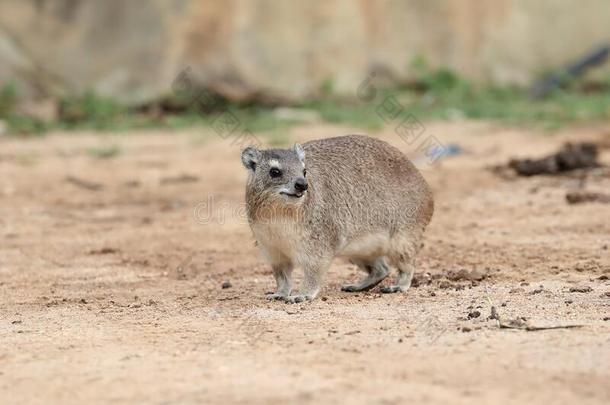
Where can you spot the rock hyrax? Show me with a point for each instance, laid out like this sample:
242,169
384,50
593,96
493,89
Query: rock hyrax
351,196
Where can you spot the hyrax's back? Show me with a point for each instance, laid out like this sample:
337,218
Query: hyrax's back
366,186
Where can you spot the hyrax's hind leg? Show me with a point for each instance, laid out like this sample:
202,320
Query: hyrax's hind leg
377,270
403,281
403,257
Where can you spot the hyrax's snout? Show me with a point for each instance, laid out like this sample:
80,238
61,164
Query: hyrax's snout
300,184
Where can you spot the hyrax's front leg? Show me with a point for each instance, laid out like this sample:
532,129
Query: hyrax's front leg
283,278
314,271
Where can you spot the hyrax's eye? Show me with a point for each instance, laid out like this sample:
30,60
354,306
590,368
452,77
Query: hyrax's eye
275,172
304,172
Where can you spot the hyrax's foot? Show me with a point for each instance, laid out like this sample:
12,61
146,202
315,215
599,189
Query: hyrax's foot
360,287
390,289
350,288
295,299
377,271
275,296
355,288
403,282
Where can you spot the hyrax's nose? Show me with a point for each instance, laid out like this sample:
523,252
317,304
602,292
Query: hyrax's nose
300,184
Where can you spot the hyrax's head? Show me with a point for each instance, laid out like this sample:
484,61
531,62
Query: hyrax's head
277,174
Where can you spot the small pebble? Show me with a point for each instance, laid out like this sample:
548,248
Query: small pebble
445,284
226,284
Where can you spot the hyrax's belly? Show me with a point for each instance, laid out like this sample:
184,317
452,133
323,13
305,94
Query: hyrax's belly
285,239
373,244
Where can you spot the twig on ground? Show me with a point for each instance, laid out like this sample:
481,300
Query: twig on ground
520,323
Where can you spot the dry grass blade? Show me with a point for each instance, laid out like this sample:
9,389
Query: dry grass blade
521,324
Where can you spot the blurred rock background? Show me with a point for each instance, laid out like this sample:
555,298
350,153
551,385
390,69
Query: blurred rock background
283,50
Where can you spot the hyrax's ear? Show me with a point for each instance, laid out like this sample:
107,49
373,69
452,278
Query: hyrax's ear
250,157
298,149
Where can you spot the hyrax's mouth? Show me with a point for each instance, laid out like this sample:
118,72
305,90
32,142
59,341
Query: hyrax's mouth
296,194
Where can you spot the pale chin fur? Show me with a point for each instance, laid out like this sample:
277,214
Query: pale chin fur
291,195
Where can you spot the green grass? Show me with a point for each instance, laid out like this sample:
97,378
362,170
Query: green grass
361,115
8,99
259,119
91,111
510,106
104,152
434,95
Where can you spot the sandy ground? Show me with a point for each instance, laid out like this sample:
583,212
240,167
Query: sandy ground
111,274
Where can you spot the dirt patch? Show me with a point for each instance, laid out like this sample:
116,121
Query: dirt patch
150,289
569,157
